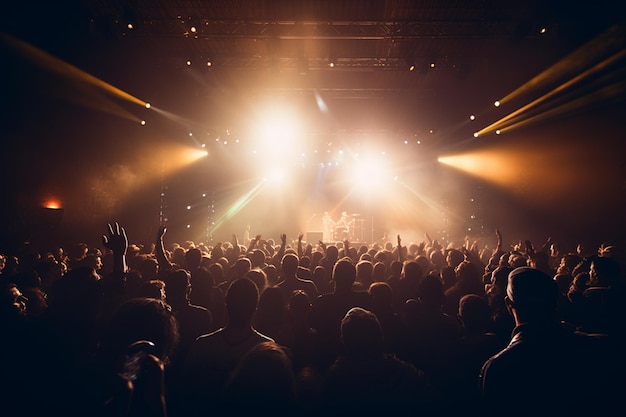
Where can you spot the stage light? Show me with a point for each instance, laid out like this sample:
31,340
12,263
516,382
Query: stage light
275,177
432,65
497,131
209,63
496,103
148,105
475,134
52,204
412,68
331,64
193,29
472,117
130,26
143,122
543,30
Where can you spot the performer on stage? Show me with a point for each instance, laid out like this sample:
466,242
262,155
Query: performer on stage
328,226
342,227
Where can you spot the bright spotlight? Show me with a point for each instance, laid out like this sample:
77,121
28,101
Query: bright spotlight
472,117
279,129
143,122
475,134
275,177
497,131
148,105
497,103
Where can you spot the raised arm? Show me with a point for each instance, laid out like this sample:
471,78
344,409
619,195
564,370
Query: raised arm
300,236
400,249
498,241
253,243
236,247
159,248
117,242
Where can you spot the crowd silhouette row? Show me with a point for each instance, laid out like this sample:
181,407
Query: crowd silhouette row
283,327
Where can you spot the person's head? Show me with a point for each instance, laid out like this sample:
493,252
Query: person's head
332,252
289,264
379,273
192,258
454,257
411,270
396,268
177,286
604,271
241,267
344,275
474,312
92,261
258,276
361,333
217,272
257,257
263,377
424,263
201,280
381,294
364,270
430,291
242,298
299,304
12,303
467,271
272,304
531,295
154,288
141,319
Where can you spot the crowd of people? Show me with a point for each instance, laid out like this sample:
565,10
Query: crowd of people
288,326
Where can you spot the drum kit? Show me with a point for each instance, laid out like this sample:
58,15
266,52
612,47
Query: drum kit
349,227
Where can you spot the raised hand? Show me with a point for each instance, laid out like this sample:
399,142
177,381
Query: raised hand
117,242
116,239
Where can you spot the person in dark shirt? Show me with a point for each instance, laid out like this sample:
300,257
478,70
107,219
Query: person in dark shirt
541,368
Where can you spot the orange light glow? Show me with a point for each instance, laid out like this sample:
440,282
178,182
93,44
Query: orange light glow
52,203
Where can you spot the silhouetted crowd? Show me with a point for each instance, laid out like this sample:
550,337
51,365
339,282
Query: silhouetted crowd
278,327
